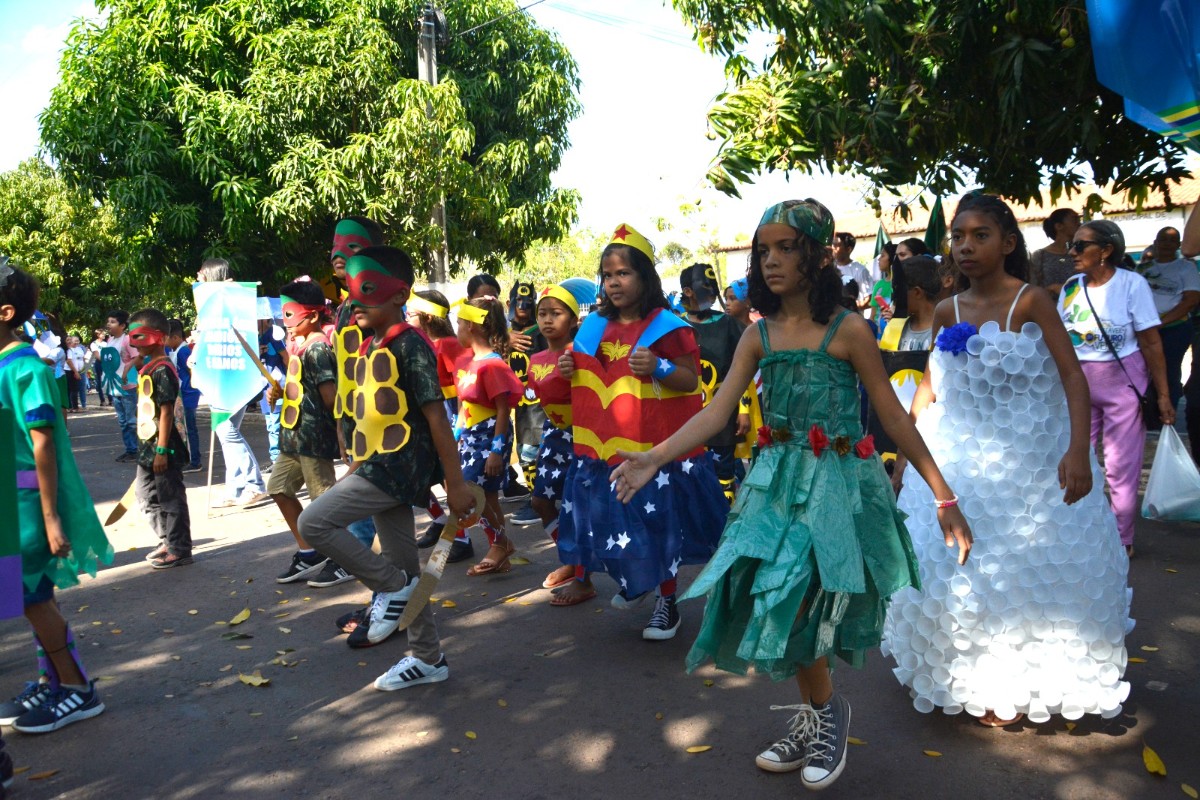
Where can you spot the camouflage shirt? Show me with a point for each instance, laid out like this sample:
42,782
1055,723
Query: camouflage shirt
314,433
407,473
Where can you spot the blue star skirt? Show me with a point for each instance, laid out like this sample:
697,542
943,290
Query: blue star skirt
474,447
555,456
674,519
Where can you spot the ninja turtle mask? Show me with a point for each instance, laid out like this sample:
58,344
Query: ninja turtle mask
348,238
370,284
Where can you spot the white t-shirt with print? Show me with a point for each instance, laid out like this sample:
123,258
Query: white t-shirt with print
1125,305
1170,280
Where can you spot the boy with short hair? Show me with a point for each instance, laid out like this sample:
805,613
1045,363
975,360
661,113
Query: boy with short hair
162,453
308,441
402,442
190,396
116,362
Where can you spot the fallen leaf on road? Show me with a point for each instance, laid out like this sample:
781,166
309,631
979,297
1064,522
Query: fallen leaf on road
283,602
205,683
169,696
306,599
854,740
255,679
220,622
362,663
81,608
932,753
422,734
700,748
1070,727
176,658
241,617
709,682
41,776
168,630
193,611
510,599
285,651
471,734
1172,571
294,739
455,750
1189,791
519,560
502,703
249,580
243,647
19,770
658,715
97,622
226,668
1137,660
115,630
283,614
152,614
1154,764
256,713
1147,648
285,630
233,593
449,604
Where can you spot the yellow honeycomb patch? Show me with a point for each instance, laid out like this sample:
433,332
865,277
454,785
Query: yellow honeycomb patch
293,393
147,419
345,345
378,406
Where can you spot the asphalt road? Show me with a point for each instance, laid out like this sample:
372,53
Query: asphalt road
542,702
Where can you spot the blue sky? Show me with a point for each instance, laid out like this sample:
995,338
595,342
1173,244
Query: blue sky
638,151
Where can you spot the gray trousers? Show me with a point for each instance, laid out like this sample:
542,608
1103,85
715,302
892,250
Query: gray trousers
323,525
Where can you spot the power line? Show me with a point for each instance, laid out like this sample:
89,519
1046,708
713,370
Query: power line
502,16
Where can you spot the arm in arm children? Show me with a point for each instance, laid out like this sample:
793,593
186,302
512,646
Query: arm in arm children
853,342
46,463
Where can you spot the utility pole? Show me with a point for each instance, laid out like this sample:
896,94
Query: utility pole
433,26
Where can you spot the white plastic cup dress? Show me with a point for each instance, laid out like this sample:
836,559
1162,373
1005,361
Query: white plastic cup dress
1034,622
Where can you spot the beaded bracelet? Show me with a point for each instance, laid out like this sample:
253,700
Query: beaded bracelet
951,503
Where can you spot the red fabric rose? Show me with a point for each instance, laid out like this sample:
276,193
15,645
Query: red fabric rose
764,436
865,447
817,439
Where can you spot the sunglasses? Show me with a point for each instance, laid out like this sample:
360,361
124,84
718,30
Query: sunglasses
1083,244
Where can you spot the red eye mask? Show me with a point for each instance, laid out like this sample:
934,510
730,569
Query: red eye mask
142,336
294,313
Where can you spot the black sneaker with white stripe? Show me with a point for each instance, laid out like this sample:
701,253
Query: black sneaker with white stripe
412,671
62,707
32,696
331,575
302,568
792,751
386,610
664,622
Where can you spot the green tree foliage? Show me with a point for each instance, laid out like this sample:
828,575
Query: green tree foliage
245,128
925,92
73,247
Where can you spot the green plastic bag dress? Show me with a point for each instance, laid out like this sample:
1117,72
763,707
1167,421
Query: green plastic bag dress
27,387
814,545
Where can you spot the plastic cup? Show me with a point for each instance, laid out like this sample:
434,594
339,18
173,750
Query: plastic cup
991,357
1004,342
975,345
1032,331
989,330
1012,362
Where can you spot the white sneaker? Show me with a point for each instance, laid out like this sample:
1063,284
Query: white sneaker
412,671
386,610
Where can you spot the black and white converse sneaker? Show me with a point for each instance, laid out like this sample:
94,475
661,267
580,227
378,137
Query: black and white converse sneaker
32,696
664,622
431,535
827,749
386,610
412,671
331,575
300,568
61,708
791,752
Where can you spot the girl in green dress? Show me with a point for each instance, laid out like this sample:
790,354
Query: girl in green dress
60,534
814,545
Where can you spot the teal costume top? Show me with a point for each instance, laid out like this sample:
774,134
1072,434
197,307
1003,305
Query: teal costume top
27,387
814,545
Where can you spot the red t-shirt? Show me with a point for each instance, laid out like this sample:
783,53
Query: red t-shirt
482,380
552,390
447,349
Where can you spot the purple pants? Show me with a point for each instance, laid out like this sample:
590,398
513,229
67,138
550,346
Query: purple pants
1116,417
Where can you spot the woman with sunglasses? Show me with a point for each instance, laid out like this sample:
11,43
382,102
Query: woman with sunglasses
1110,315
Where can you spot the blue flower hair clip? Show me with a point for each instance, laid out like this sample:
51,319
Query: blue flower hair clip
953,340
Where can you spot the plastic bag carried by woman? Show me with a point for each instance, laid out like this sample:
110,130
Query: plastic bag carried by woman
1173,491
